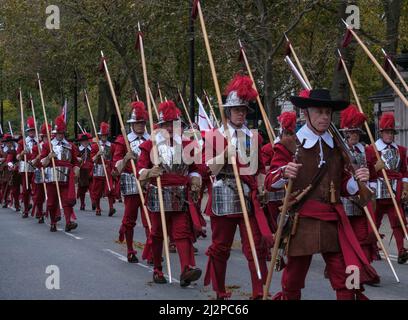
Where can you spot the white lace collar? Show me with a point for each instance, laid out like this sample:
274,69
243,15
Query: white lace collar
107,143
232,130
381,145
81,147
311,138
132,136
64,142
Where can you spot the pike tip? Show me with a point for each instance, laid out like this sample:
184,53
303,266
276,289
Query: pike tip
383,51
102,53
138,26
339,53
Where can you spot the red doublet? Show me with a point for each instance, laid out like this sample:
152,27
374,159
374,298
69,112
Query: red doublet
224,228
38,189
181,225
84,183
15,178
27,190
350,251
386,206
99,187
132,204
67,189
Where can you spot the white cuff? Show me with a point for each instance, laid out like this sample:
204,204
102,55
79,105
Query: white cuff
352,186
405,180
10,165
141,170
279,184
119,163
373,185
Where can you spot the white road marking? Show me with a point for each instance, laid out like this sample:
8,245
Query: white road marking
59,229
123,258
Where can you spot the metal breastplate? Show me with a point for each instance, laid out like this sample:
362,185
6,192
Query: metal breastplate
171,160
29,145
38,176
134,146
63,152
107,152
98,170
382,190
225,198
350,206
61,174
24,166
128,184
174,198
391,158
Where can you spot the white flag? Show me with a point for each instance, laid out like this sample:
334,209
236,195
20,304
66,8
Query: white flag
203,121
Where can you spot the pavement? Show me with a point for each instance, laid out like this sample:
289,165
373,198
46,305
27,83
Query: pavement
92,264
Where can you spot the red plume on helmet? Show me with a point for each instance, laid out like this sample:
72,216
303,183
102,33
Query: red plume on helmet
387,121
168,111
104,128
30,123
60,125
139,112
351,118
287,121
44,130
244,88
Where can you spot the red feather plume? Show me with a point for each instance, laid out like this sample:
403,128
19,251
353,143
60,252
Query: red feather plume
387,121
168,111
244,87
287,121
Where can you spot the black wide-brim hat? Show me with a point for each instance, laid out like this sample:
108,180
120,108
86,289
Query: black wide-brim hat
318,98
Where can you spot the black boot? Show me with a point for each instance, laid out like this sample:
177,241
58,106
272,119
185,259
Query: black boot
112,211
403,257
189,275
53,228
41,220
132,258
158,277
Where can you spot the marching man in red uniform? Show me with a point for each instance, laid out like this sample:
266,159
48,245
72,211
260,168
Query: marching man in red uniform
30,141
38,187
128,186
181,183
223,205
86,165
351,122
319,223
65,155
273,199
99,185
14,180
394,161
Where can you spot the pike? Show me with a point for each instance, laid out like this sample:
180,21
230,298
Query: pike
20,96
372,224
80,128
155,154
124,134
54,172
404,100
265,118
292,50
154,103
10,128
233,158
188,115
88,105
39,146
394,68
160,93
211,108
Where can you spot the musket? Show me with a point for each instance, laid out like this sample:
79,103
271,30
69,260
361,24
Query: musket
394,68
265,118
20,95
155,154
367,127
96,139
404,100
54,172
227,133
38,144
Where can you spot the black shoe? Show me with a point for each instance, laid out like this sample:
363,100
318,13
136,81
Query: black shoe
71,226
53,228
132,258
189,275
82,208
150,262
158,277
172,248
112,212
403,257
18,209
98,212
41,220
93,206
25,215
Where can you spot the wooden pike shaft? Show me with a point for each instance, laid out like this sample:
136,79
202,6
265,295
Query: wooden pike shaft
302,71
156,158
277,239
97,139
265,118
233,158
211,108
54,172
123,131
154,103
188,115
385,175
394,68
23,138
39,145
